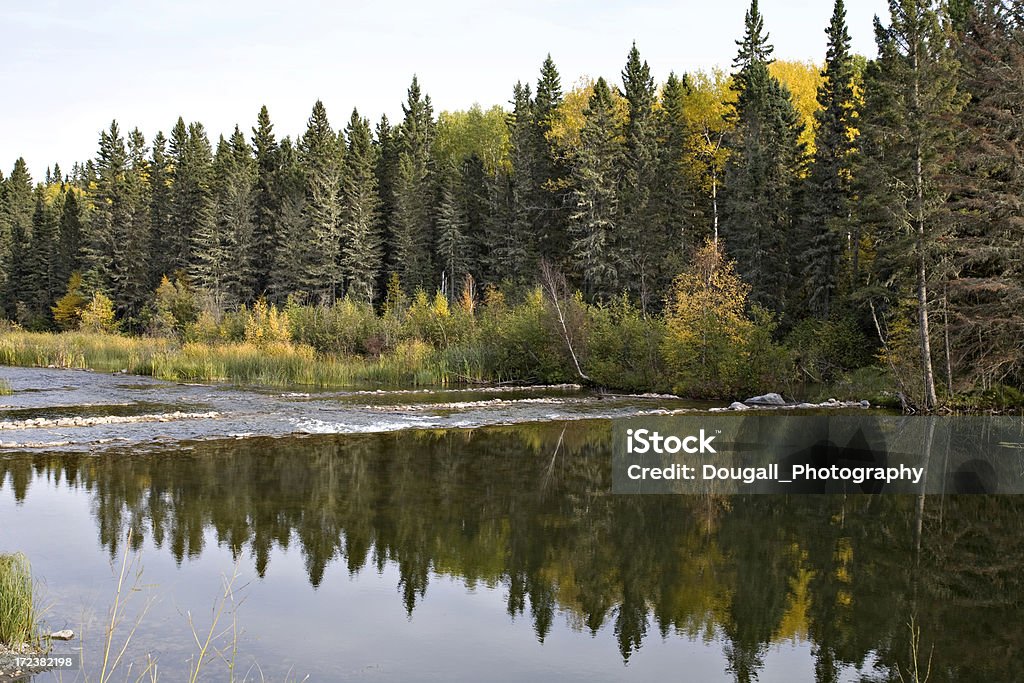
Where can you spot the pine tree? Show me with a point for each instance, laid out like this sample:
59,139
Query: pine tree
828,192
473,192
762,172
412,221
595,221
361,256
387,171
267,201
911,97
321,159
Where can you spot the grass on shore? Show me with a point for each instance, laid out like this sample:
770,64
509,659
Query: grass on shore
412,362
18,617
5,388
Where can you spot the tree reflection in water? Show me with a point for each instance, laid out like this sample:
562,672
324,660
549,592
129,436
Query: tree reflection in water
528,508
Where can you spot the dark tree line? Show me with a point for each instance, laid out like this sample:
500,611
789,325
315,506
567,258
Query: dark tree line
904,218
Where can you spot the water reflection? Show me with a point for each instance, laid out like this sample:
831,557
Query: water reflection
527,508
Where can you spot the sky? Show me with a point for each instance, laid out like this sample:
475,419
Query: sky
68,69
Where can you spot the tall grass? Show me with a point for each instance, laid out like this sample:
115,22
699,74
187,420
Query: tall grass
18,617
411,362
5,388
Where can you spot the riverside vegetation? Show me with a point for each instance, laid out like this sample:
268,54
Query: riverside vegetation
871,210
705,344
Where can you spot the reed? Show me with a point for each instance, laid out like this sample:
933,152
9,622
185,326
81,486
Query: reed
18,616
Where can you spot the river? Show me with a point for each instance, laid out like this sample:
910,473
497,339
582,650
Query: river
467,535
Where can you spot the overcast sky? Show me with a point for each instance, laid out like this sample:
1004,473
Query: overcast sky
69,68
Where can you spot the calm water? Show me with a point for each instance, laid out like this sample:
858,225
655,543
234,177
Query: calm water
485,552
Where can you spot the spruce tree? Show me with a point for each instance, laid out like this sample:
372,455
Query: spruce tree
412,220
761,176
110,210
130,267
451,240
234,196
549,194
18,207
984,313
195,213
387,171
162,235
595,221
321,159
640,244
361,253
828,193
41,287
911,99
292,251
69,255
267,201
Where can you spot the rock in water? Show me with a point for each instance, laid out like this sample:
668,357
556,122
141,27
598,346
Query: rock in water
766,400
66,634
738,406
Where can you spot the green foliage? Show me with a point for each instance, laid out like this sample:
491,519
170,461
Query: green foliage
824,349
176,306
623,347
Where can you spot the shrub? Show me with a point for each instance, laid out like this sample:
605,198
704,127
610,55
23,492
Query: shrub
98,315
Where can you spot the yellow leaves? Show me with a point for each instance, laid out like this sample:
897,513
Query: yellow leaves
802,79
266,325
570,117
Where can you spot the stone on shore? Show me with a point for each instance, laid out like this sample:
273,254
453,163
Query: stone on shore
771,399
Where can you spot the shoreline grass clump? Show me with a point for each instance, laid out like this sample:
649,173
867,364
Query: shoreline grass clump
18,617
5,388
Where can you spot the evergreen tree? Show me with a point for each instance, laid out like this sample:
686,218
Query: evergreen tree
195,213
761,175
162,229
69,255
110,210
473,191
15,233
675,215
293,245
549,193
41,287
451,240
361,256
412,221
828,194
130,267
234,195
267,201
595,221
387,171
511,243
641,246
985,270
911,96
321,159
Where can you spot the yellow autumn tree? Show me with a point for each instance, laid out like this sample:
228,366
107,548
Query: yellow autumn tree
802,79
712,347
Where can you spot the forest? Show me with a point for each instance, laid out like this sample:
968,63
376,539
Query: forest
720,232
